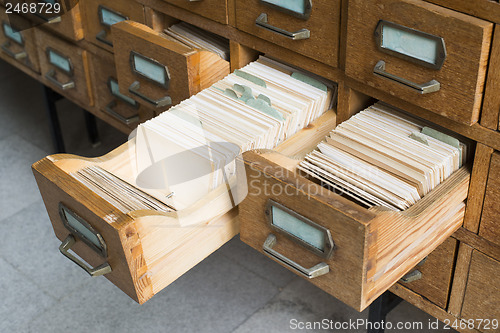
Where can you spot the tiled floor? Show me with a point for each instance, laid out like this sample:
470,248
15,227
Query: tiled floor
236,289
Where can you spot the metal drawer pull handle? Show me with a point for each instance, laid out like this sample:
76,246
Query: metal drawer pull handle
101,36
64,86
97,271
18,56
127,121
424,88
318,270
411,276
164,101
301,34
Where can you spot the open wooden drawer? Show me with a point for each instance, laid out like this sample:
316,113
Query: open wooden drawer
143,251
358,253
158,72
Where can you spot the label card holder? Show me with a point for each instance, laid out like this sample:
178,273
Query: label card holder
409,44
108,17
150,69
115,91
300,229
12,33
61,62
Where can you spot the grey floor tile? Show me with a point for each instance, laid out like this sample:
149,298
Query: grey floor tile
29,244
416,320
298,305
21,300
257,262
215,296
18,186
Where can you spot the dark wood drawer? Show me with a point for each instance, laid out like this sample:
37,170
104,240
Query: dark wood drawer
489,227
213,9
430,56
64,67
313,33
17,42
101,14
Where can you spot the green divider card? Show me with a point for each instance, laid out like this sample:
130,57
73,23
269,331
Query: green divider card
252,78
246,92
443,138
419,137
263,106
310,81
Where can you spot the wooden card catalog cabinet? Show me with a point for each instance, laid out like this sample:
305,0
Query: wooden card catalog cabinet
216,10
430,56
491,211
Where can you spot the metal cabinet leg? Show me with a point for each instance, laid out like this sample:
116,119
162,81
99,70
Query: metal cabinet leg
379,309
51,97
93,133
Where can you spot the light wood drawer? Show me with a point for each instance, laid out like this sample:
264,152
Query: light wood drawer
315,34
146,250
481,299
158,72
364,251
64,67
213,9
432,277
430,56
118,110
489,227
18,42
68,24
99,15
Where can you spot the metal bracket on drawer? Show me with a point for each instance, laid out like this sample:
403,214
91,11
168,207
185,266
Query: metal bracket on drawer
297,35
127,121
164,101
63,86
424,88
101,36
318,270
96,271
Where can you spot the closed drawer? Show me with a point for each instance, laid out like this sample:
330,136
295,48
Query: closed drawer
101,14
120,111
62,17
358,253
431,278
481,301
158,72
18,42
213,9
425,54
307,27
489,227
64,67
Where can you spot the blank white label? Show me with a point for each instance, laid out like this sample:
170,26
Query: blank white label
298,228
60,61
12,33
297,6
110,17
411,44
149,69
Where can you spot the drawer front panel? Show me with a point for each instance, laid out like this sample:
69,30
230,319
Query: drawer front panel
430,56
491,211
100,15
64,67
481,299
17,42
119,110
432,278
213,9
158,72
365,260
311,29
68,24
